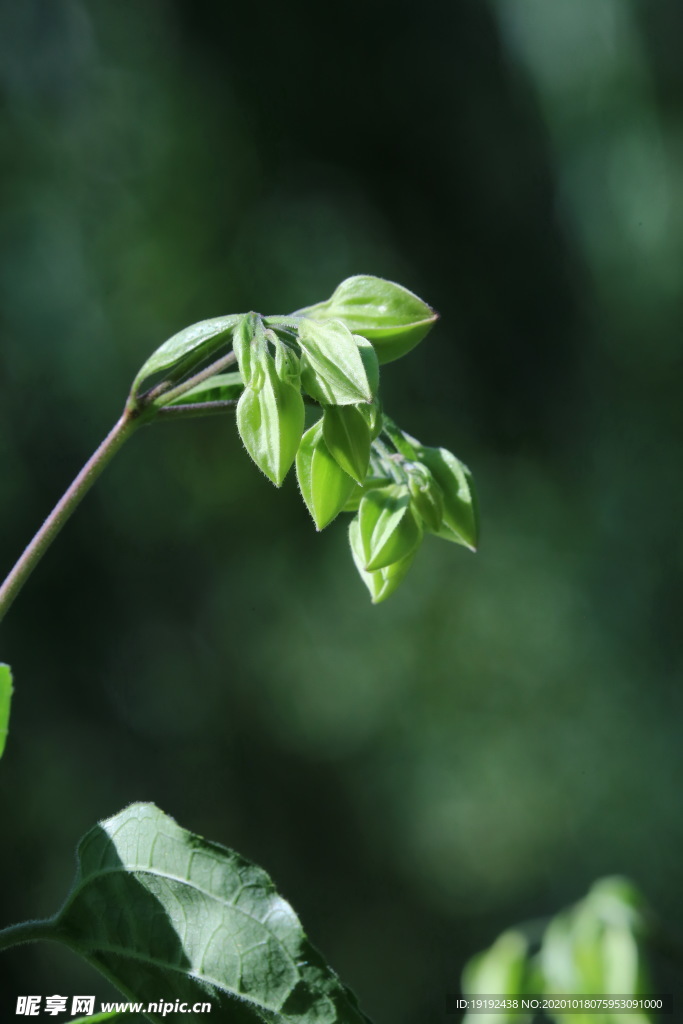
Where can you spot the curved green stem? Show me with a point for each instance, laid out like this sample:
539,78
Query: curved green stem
195,409
169,394
27,931
64,508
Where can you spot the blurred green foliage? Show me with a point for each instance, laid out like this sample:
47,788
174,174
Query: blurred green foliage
418,776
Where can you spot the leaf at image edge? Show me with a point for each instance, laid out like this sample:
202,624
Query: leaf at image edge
195,921
5,702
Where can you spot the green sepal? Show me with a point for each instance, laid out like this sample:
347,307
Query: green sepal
224,387
243,346
333,356
324,485
270,419
287,362
389,529
394,319
347,436
372,414
366,351
426,495
353,501
385,581
186,350
5,702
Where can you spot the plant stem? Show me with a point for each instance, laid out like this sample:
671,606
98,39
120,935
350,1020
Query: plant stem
169,394
27,931
64,509
195,409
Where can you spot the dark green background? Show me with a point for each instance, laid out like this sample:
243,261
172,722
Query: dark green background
506,728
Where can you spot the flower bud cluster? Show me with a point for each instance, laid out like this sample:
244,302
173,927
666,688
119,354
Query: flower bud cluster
352,457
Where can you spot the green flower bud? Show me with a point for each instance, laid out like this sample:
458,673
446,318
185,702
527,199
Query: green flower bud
347,436
334,363
270,418
389,529
385,581
324,486
388,315
459,502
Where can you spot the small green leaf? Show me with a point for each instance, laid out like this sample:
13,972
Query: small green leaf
385,581
333,354
324,486
164,913
391,317
187,349
223,387
389,530
270,420
347,436
5,701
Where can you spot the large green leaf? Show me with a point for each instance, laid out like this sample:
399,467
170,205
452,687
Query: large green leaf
186,349
166,914
5,701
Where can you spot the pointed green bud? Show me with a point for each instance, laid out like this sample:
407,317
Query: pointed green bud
270,419
324,486
334,357
389,529
427,499
347,437
388,315
383,582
